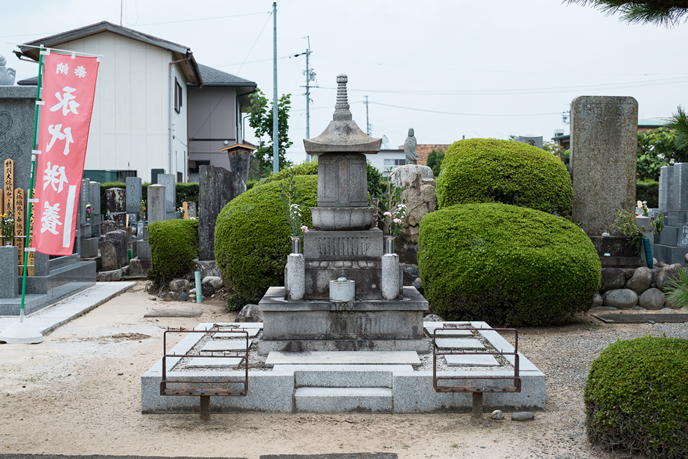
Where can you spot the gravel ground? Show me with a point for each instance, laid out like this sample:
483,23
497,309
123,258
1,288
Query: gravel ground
79,393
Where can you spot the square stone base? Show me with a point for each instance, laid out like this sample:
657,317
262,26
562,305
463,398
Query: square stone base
321,325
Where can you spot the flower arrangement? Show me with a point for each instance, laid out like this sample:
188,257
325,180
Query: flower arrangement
142,209
291,203
181,212
393,217
89,209
8,225
642,209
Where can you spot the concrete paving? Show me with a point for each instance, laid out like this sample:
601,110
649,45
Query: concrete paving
471,360
211,362
49,318
226,345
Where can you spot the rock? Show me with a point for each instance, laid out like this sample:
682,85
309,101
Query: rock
250,313
623,298
411,272
432,318
182,296
522,416
659,265
177,285
207,268
169,296
419,285
597,300
666,309
496,415
108,256
654,261
652,299
628,272
214,281
641,280
637,308
667,275
612,278
109,276
192,292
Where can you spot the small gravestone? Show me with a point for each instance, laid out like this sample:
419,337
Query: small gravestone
108,256
170,183
192,209
96,216
133,195
107,226
116,205
217,186
119,239
154,175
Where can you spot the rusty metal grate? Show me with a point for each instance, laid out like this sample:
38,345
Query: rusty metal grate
476,390
197,388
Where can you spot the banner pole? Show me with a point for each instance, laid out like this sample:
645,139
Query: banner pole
31,180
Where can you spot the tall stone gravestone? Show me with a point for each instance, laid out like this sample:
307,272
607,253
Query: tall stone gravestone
603,160
217,186
116,205
133,197
169,181
88,245
156,203
96,216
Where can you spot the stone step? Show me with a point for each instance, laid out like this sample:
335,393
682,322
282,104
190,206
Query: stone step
343,358
343,400
343,375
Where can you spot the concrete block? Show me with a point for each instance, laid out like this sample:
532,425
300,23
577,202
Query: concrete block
226,345
471,360
342,375
143,250
89,247
9,271
343,245
210,362
110,276
669,236
343,400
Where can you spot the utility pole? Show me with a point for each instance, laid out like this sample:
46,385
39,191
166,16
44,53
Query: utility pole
367,119
310,76
275,109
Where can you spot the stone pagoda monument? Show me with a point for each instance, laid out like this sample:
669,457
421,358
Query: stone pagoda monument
343,293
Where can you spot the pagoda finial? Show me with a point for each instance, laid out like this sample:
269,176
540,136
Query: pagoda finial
341,109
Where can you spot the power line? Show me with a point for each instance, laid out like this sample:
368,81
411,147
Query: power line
462,114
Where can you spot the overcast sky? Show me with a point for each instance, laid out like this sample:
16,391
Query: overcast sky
446,68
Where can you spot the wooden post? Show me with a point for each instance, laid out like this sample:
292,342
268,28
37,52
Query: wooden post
19,225
185,206
8,187
32,256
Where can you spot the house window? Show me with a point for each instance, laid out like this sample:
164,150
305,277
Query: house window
177,96
395,162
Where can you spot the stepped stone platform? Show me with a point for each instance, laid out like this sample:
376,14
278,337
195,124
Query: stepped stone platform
342,381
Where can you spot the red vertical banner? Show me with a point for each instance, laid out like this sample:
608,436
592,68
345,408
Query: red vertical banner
69,85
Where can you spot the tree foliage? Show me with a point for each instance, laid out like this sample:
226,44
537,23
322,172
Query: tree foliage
260,119
680,125
659,12
657,148
435,158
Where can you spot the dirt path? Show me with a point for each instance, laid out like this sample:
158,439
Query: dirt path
79,393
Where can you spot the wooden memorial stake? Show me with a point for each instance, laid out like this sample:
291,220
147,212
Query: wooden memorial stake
19,226
31,258
8,187
185,206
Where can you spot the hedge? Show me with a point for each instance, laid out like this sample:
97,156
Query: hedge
647,191
252,237
174,245
490,170
506,265
636,397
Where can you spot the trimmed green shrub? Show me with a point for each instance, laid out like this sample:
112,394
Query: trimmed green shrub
490,170
174,245
252,236
506,265
636,397
647,191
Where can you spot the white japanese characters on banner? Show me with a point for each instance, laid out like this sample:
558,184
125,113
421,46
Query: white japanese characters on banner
69,84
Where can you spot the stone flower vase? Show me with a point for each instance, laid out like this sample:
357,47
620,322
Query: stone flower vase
389,244
295,244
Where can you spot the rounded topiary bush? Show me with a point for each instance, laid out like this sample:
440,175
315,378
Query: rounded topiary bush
506,265
490,170
252,236
174,245
306,168
636,397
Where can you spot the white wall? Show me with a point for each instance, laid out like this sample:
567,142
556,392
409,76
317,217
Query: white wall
129,127
378,160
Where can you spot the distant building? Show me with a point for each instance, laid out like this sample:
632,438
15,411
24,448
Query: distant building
146,86
564,141
424,150
387,159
